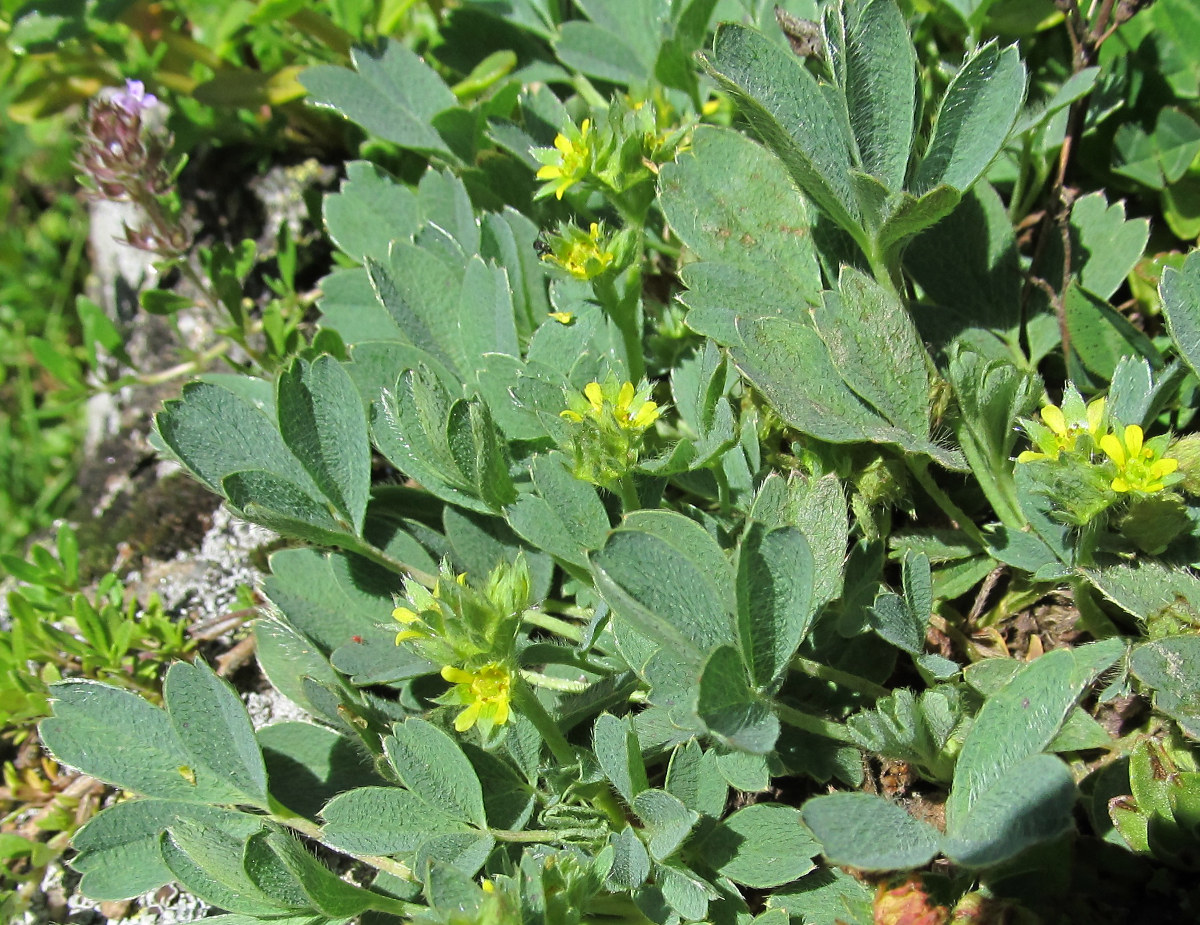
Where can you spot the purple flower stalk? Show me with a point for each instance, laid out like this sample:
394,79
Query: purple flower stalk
124,158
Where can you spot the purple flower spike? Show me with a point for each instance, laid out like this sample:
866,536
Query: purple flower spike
134,99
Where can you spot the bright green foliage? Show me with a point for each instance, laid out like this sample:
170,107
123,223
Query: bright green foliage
677,440
105,634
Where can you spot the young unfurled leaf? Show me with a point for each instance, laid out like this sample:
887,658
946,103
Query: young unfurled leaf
616,746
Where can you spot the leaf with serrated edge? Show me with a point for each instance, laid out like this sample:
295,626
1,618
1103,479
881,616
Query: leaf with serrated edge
785,106
214,431
392,94
877,351
751,219
369,211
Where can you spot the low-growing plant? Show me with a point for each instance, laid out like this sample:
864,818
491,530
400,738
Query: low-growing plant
66,630
642,581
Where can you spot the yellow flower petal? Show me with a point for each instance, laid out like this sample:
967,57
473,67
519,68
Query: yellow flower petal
646,415
595,395
625,398
1113,449
1053,418
1133,440
457,675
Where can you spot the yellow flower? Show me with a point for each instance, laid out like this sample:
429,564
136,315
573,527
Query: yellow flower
485,692
609,422
603,406
569,162
646,414
1140,467
581,253
1061,433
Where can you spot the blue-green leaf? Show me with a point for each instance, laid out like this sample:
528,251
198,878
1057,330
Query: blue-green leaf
323,422
872,60
391,93
431,765
866,831
668,577
205,711
1180,291
974,117
1020,721
143,752
775,599
791,114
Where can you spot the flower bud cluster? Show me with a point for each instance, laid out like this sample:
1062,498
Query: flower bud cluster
123,158
608,422
626,150
471,633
